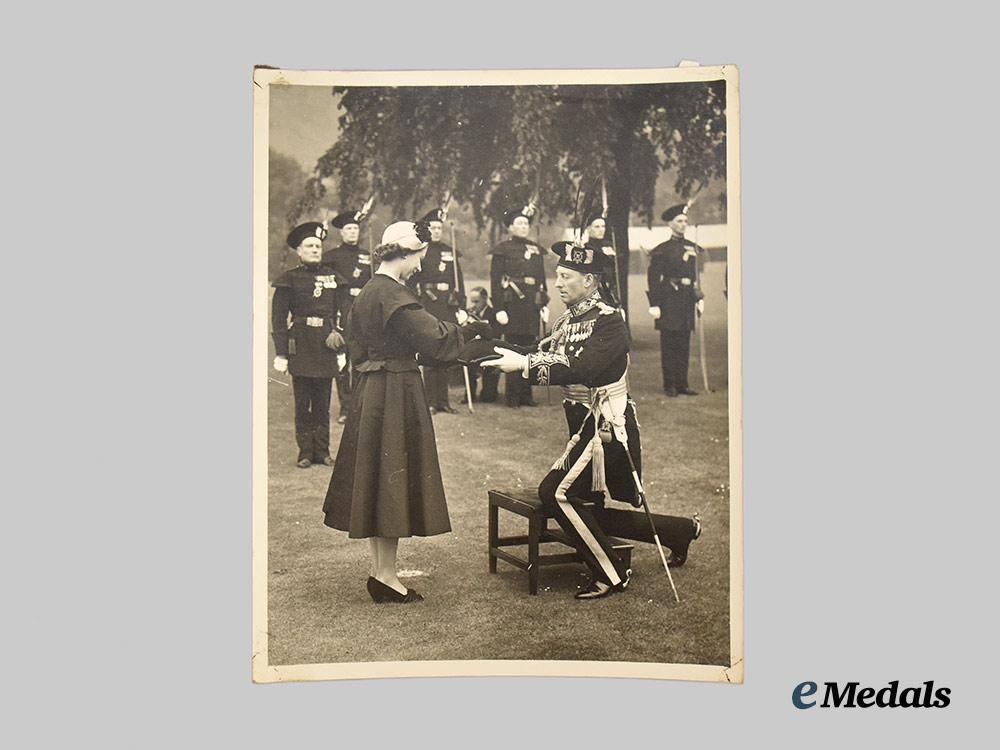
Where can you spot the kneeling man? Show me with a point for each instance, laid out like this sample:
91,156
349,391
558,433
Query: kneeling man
587,354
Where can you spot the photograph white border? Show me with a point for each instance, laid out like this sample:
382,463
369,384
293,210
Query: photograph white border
262,670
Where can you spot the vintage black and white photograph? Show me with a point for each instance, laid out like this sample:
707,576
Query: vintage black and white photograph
497,379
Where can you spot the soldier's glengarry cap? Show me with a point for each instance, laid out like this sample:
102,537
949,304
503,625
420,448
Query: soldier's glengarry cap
303,231
435,214
347,217
578,257
674,211
510,215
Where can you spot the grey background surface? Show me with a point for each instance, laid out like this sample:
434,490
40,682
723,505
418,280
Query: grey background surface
869,278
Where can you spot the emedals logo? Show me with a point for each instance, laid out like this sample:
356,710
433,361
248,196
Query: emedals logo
852,695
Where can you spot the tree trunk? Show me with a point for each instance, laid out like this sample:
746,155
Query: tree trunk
629,114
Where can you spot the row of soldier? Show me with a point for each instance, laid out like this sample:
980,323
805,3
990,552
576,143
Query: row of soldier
312,302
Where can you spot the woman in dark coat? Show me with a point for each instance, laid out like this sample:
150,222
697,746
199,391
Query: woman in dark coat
386,482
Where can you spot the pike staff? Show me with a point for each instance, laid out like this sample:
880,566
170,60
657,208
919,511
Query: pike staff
454,265
614,245
699,318
362,215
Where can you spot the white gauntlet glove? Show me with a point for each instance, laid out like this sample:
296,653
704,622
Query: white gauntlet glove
281,364
544,314
655,312
502,318
462,317
701,306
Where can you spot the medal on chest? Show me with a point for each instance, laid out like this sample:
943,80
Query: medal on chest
357,272
442,267
580,331
323,282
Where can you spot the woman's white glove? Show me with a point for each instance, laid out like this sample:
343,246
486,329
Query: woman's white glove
655,312
281,364
544,314
462,317
502,318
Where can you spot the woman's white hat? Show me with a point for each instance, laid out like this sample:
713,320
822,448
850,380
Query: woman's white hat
404,234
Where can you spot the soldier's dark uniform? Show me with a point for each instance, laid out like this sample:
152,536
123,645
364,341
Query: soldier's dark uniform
353,264
673,287
589,356
435,283
491,378
303,314
606,248
518,288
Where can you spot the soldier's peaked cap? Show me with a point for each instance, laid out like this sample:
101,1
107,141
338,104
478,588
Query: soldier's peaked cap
594,216
674,211
348,217
304,231
578,257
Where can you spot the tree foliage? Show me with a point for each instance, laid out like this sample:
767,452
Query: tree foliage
285,179
495,147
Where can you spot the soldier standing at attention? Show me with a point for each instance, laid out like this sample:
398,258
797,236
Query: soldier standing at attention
597,229
480,309
520,296
353,264
441,298
307,349
673,295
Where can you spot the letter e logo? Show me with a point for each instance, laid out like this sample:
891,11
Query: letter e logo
803,690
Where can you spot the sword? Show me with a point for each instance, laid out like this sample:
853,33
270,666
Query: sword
623,439
614,245
699,322
465,368
649,517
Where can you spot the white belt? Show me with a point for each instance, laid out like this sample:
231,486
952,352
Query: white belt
355,291
530,281
315,322
581,394
442,286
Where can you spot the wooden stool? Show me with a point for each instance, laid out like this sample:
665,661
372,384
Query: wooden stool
525,503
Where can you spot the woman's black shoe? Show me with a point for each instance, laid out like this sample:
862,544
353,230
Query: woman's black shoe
382,594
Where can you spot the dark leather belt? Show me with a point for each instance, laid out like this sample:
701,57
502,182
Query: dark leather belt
389,365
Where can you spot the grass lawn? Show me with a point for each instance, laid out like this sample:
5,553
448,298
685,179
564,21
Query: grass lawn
320,612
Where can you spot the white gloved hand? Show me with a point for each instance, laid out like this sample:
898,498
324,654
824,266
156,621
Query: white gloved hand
281,364
655,312
502,318
509,361
701,306
462,317
544,314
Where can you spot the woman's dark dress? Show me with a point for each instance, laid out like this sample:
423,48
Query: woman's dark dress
387,480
